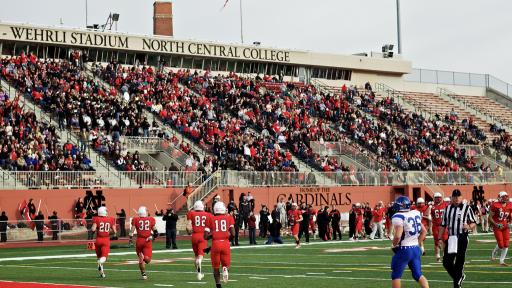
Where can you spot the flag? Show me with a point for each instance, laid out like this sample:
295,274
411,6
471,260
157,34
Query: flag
225,3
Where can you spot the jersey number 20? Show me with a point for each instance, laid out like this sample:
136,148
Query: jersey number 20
104,227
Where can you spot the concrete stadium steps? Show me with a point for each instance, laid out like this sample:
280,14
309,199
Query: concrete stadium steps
435,104
500,112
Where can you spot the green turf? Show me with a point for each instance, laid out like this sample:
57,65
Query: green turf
309,266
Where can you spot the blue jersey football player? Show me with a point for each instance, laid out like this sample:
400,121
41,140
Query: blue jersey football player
407,242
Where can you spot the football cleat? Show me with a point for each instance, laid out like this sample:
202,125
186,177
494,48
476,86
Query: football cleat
225,274
504,264
200,276
144,276
100,269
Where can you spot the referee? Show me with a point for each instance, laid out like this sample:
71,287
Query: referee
459,219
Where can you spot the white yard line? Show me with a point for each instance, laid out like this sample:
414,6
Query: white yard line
255,275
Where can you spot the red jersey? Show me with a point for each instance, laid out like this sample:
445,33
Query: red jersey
437,213
294,216
199,220
144,226
219,225
103,225
359,214
423,210
378,214
501,212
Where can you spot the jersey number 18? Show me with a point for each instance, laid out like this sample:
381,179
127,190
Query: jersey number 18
223,226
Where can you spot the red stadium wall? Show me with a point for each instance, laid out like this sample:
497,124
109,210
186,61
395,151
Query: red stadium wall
344,197
63,200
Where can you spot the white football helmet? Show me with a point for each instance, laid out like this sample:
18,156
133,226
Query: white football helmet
219,208
420,201
437,194
102,211
198,206
143,212
447,199
358,204
503,196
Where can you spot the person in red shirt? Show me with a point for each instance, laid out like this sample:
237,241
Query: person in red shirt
221,229
377,217
146,232
424,210
500,217
436,213
102,225
359,221
196,224
294,219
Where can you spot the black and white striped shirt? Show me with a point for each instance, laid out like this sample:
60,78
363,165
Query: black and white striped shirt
455,216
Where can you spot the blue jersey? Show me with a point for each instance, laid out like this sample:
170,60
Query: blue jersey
411,221
408,253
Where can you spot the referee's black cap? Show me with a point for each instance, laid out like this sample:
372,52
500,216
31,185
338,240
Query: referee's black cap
456,193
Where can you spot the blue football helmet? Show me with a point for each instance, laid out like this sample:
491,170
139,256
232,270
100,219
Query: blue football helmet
402,203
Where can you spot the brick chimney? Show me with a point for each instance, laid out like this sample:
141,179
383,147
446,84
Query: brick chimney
162,18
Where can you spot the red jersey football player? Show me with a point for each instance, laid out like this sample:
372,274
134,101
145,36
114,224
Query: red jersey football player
220,228
196,224
499,217
424,210
294,219
359,221
146,232
102,225
437,213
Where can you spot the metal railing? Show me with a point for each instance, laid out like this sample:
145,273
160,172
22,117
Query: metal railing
361,178
88,179
205,188
340,148
474,109
460,79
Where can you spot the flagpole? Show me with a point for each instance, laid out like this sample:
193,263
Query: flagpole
241,24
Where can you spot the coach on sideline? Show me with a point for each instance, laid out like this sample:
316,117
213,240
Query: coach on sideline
459,219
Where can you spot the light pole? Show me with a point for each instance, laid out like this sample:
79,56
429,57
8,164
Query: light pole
241,24
86,22
398,29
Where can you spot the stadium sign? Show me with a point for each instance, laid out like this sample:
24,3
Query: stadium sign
149,44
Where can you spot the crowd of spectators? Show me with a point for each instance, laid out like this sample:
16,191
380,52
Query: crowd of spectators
28,144
249,124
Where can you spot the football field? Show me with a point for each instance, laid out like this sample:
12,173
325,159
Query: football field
319,264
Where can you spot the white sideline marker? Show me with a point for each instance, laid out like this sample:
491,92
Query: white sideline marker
258,278
164,285
311,273
200,283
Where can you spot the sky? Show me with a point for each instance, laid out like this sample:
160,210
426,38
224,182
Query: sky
455,35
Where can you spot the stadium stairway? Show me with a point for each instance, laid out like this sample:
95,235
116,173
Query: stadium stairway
97,161
429,104
482,107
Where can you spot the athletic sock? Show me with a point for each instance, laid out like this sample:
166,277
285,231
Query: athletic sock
495,251
503,255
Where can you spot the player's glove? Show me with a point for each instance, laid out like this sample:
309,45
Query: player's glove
207,250
155,234
423,253
395,249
